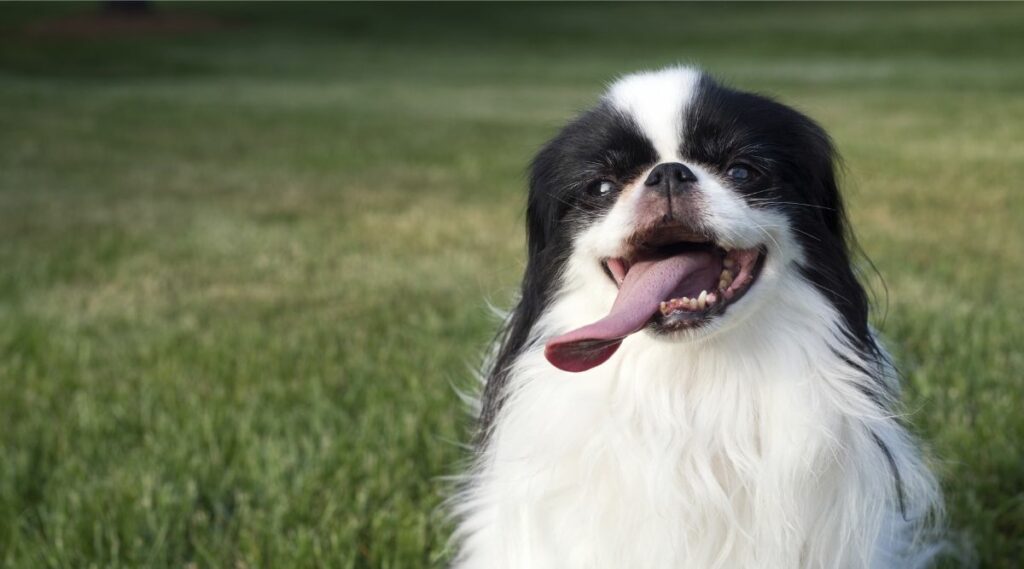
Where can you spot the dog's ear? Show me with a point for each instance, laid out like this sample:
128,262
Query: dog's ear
545,255
826,237
822,165
541,215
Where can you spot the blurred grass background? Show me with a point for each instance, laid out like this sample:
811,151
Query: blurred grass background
245,256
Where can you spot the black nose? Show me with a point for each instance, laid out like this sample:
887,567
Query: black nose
670,178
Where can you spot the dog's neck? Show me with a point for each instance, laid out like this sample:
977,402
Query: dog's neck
790,359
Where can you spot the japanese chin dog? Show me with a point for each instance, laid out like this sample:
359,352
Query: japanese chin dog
689,378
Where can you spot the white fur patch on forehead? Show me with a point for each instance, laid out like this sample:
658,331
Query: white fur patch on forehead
655,100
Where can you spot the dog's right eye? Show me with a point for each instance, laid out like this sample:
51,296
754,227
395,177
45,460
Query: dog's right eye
601,188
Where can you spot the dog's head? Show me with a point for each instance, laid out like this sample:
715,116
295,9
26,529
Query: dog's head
680,202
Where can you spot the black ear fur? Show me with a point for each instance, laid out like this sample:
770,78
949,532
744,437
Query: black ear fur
544,258
829,243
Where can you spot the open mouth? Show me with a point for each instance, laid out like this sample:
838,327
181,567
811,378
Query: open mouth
669,280
713,279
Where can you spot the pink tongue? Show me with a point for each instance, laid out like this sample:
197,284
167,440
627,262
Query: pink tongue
646,284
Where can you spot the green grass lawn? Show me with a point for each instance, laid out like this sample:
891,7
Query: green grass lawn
243,270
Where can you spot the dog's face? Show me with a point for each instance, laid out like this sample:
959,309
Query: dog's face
687,202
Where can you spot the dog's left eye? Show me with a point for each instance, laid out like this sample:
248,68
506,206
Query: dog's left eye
739,172
601,188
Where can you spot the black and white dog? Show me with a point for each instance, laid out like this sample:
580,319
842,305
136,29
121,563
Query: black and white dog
689,378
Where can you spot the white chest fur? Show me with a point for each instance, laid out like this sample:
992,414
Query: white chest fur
762,450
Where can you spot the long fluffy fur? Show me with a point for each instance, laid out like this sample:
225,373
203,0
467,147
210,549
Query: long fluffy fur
771,441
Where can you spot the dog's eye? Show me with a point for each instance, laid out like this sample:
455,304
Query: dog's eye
601,188
739,172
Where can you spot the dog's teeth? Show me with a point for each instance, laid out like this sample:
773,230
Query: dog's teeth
702,300
664,307
725,279
693,304
729,263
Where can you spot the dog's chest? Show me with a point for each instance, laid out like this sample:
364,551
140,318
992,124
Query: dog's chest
611,473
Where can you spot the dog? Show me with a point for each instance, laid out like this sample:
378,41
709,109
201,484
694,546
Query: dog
689,378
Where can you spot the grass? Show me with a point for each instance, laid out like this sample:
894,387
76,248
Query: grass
241,269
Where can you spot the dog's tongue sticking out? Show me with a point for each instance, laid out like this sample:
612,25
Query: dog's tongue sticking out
645,285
